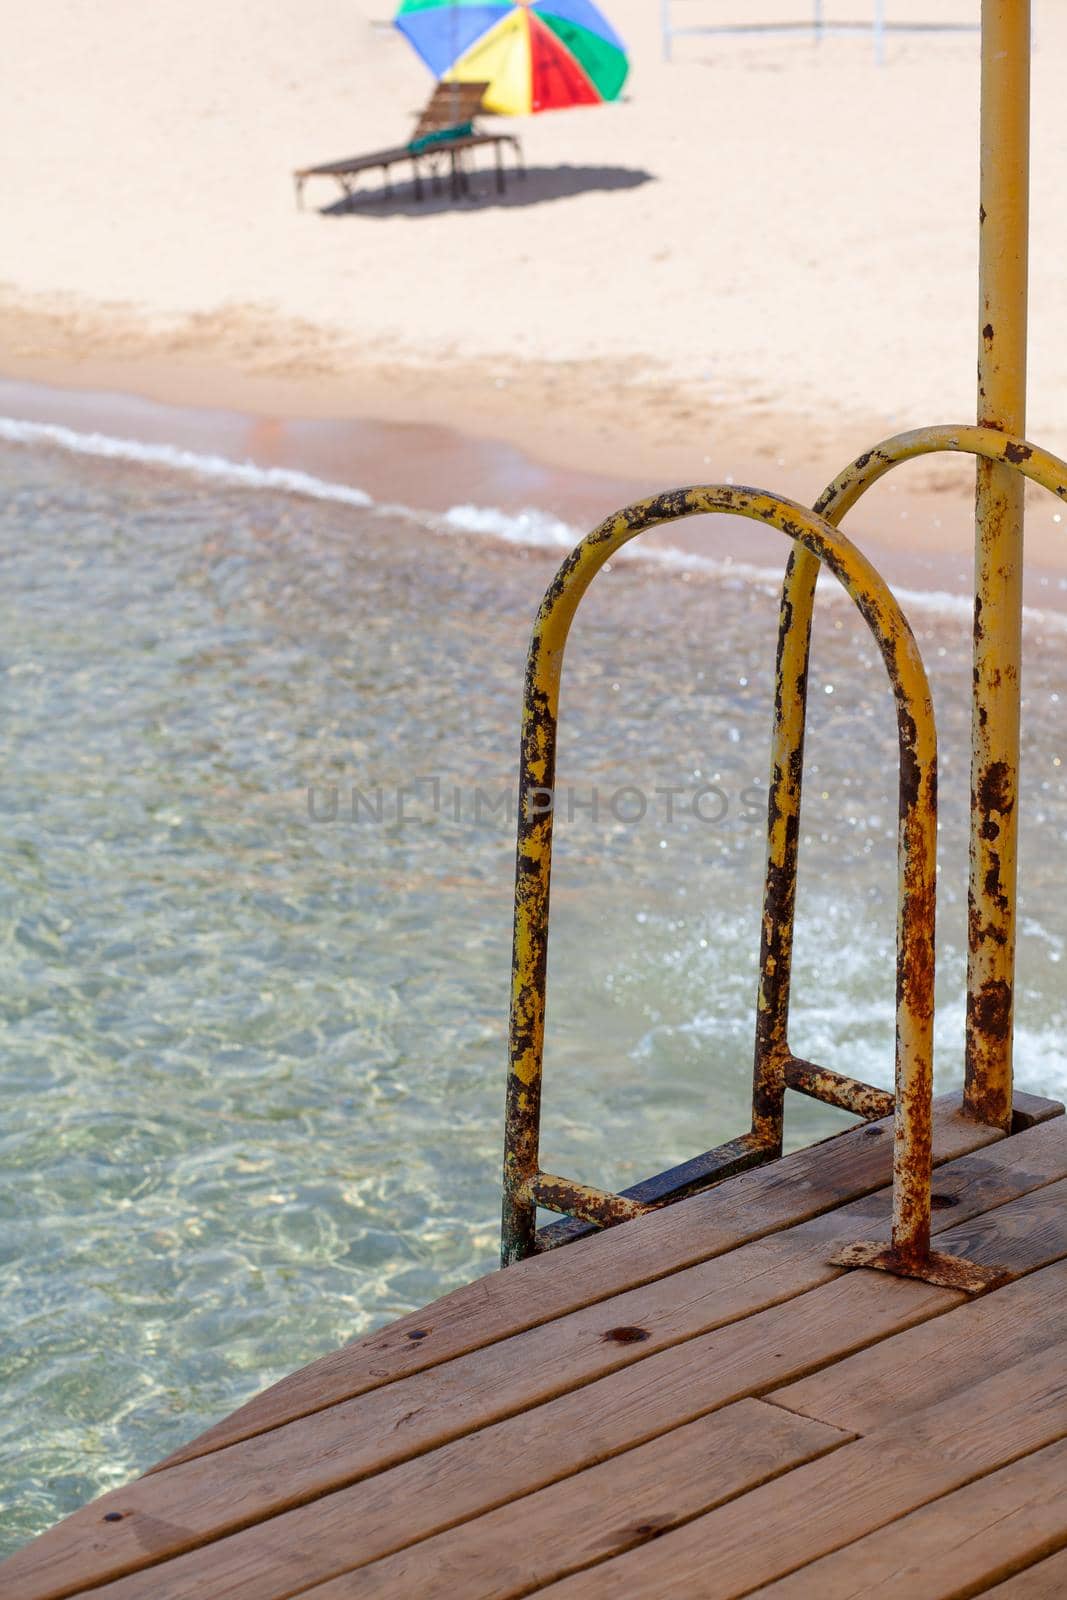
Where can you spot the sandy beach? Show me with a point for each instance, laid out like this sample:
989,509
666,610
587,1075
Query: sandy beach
756,264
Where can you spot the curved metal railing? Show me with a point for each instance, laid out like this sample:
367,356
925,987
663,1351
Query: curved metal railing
817,541
985,1099
525,1185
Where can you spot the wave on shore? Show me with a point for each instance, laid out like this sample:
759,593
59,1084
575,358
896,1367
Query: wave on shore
241,474
530,526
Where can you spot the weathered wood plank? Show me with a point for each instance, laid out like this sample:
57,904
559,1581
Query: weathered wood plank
499,1464
621,1503
958,1545
362,1523
1045,1581
816,1508
744,1208
942,1357
270,1472
1029,1109
170,1512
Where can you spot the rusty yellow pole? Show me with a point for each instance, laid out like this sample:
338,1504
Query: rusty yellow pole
1005,143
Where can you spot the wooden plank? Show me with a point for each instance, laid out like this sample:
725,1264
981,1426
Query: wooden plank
612,1507
499,1464
816,1508
941,1358
225,1490
958,1545
743,1208
164,1514
1045,1581
354,164
1028,1109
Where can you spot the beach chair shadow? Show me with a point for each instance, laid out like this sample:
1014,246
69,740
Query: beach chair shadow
444,140
540,185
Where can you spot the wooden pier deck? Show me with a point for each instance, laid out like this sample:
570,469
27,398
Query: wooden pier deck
695,1403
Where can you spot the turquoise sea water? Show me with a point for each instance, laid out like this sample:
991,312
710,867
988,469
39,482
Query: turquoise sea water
252,1062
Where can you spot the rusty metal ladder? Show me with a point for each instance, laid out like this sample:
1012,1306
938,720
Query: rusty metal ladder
1004,460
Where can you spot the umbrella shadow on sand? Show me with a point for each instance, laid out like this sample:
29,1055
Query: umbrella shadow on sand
537,187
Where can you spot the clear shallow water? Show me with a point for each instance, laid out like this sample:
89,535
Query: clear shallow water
253,1062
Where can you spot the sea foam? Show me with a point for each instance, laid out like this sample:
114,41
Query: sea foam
531,527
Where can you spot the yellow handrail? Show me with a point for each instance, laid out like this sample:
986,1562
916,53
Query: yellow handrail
1016,456
525,1185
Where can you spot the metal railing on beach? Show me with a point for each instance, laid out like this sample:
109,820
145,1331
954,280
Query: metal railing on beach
816,28
1004,461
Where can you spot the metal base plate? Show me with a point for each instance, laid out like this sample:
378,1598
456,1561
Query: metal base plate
947,1272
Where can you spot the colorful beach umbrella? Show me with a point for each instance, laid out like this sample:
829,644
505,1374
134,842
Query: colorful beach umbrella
538,56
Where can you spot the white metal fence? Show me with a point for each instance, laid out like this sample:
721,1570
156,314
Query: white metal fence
817,27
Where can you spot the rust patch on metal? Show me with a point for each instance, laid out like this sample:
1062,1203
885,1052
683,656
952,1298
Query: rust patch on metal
580,1200
834,1089
992,1008
995,788
933,1266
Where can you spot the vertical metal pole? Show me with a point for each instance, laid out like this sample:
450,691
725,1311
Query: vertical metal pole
998,561
817,21
878,28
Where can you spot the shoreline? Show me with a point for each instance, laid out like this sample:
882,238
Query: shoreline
626,420
431,467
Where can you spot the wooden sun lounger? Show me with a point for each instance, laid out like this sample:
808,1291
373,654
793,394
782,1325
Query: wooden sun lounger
451,106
